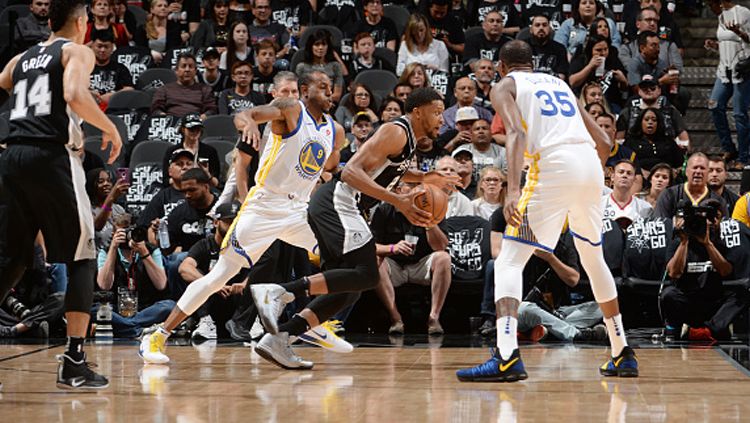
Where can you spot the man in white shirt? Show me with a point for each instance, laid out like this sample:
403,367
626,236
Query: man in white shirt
620,205
484,151
458,204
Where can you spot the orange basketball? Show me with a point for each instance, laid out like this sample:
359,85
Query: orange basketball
433,200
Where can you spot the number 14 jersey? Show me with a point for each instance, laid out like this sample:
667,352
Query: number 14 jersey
549,111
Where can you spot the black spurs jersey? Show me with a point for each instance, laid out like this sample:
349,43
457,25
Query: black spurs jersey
388,175
39,110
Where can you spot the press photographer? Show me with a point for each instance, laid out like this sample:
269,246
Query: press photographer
697,268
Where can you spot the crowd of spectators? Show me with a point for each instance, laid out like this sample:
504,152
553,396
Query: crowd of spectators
219,58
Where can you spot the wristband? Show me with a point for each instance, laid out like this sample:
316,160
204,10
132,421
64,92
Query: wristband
391,248
106,208
144,257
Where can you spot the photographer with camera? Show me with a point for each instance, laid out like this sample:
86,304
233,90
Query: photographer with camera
134,271
695,190
697,267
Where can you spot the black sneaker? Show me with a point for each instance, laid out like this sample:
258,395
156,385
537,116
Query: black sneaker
7,332
488,328
596,334
78,374
237,331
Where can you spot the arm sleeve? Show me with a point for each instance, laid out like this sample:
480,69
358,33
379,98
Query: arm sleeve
101,257
158,258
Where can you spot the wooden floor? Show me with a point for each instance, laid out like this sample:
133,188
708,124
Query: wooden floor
229,383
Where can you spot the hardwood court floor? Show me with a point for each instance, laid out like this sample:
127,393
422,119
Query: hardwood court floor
228,383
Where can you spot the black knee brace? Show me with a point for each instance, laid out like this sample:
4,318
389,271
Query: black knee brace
80,292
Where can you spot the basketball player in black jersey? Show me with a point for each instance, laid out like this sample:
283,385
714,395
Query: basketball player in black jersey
42,183
346,246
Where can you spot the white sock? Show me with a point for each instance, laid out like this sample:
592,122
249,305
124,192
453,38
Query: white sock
506,336
616,333
165,333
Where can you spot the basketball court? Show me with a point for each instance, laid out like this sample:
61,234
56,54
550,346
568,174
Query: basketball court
406,380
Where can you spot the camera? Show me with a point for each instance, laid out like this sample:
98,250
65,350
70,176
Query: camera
696,218
135,234
16,307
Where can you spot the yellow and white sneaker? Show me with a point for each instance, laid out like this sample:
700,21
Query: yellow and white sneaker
153,347
324,336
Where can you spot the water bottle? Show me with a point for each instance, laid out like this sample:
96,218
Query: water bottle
163,234
104,323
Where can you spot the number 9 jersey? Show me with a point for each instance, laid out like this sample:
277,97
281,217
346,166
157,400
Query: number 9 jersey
549,111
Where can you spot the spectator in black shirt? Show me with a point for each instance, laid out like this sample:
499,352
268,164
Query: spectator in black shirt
599,62
717,178
511,18
263,28
108,76
33,28
549,56
486,45
361,128
295,15
445,27
213,31
382,29
364,59
264,72
205,156
484,77
188,222
697,267
650,144
694,191
241,97
427,154
211,75
465,169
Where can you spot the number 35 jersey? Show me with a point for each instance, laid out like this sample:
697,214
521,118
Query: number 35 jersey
38,107
550,112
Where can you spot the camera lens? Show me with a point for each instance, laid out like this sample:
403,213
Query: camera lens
138,234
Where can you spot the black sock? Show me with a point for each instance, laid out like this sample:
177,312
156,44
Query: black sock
75,348
299,288
296,326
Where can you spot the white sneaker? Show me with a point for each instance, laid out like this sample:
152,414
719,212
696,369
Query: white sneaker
206,329
270,299
324,336
277,349
257,330
153,347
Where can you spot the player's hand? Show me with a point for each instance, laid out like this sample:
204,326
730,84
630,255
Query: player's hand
510,209
113,139
415,215
444,182
403,248
250,134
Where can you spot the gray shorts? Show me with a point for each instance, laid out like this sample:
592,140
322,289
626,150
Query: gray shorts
419,273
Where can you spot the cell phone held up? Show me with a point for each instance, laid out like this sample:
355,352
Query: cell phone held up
123,174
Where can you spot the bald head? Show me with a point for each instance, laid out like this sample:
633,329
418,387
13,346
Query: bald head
465,91
516,53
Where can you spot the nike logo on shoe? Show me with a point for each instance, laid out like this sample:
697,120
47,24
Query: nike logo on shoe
77,381
506,366
323,336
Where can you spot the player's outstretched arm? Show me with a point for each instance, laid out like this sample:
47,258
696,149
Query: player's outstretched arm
79,62
283,113
603,143
388,141
503,97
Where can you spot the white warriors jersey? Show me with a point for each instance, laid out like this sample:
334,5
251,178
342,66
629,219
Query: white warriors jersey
291,164
549,110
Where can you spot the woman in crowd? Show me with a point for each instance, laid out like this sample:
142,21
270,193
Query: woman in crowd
490,192
599,63
415,75
103,15
390,109
573,31
592,93
160,34
213,31
360,99
660,178
595,109
125,16
419,46
238,49
104,194
319,55
650,144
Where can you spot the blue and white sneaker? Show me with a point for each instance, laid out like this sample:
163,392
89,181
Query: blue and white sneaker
324,335
624,365
495,369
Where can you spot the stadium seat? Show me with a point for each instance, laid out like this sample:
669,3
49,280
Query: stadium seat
297,57
399,15
219,126
20,10
336,35
388,56
90,130
129,100
148,152
140,14
380,82
93,145
154,78
223,146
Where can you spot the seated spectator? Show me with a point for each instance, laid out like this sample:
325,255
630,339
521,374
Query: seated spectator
465,92
319,56
108,76
364,59
549,55
262,28
667,28
133,270
427,154
512,20
444,27
451,139
490,192
484,77
101,10
618,152
213,31
104,195
241,97
649,96
717,178
382,29
390,109
465,170
659,179
695,191
595,109
341,14
486,44
621,205
159,33
122,15
697,268
650,144
402,90
360,100
265,71
458,204
32,28
592,93
484,151
294,15
648,20
415,76
600,63
411,254
573,31
419,46
185,95
189,221
648,62
361,128
238,47
212,75
204,156
741,211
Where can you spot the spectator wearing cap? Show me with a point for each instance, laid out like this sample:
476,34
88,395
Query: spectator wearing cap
214,28
484,151
205,156
649,97
212,75
465,169
694,191
717,178
360,132
486,44
549,56
383,29
465,92
108,76
241,97
185,95
621,205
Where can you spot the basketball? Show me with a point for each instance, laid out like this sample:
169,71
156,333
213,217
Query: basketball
432,200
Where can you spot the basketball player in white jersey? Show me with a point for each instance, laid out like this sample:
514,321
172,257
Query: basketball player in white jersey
565,181
620,203
304,141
